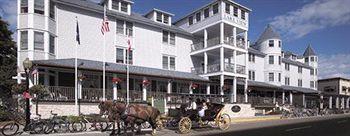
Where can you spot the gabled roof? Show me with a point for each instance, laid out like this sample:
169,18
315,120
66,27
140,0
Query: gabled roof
269,33
309,51
119,68
133,17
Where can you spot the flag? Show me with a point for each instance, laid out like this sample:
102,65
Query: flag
26,95
129,45
77,38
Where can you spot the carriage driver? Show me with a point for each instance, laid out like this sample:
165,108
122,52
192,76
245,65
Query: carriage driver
204,107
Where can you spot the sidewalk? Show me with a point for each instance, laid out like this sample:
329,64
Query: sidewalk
254,119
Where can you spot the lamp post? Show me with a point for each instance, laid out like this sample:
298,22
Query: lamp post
27,64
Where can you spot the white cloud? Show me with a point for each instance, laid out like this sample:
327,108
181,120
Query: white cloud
311,17
334,66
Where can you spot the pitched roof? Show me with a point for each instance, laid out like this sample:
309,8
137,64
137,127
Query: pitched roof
133,17
119,68
268,33
297,63
309,51
300,89
255,51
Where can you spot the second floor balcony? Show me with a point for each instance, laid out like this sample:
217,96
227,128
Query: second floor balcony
213,68
240,43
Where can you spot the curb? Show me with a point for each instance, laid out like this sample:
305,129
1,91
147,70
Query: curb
254,119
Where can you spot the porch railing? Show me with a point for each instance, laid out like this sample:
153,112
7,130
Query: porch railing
213,41
240,69
229,67
213,68
197,70
197,46
229,41
183,98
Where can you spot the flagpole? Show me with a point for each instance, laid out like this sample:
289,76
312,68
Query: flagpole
104,58
127,74
76,72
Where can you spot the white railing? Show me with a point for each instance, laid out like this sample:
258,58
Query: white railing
229,67
240,69
197,70
197,46
213,41
213,68
229,40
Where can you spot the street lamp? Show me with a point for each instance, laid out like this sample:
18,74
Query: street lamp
27,64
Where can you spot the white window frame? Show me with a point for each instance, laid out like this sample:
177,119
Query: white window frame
38,42
39,9
52,44
168,65
271,62
24,41
271,77
124,55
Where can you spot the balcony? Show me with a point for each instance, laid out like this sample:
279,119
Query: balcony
216,41
228,67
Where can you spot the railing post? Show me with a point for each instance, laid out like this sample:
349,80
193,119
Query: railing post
222,59
234,34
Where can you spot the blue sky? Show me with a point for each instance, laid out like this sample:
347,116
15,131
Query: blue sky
325,24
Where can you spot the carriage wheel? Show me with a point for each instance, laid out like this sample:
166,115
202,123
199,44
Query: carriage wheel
185,125
224,121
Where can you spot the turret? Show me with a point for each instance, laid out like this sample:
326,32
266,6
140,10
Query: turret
310,57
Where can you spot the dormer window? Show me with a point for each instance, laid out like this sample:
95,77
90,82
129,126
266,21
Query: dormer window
159,17
198,17
24,6
235,11
124,7
271,43
162,17
115,5
206,13
165,19
190,20
215,9
243,14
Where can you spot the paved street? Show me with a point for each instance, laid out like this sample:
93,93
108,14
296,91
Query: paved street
336,125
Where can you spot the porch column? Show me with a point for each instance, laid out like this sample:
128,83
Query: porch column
234,34
246,90
304,101
291,98
347,103
330,102
222,32
233,96
246,39
115,91
144,91
321,101
222,59
343,103
190,88
169,90
222,78
208,91
274,97
205,53
283,97
337,102
205,42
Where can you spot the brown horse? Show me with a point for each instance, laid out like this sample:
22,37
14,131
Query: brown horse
132,114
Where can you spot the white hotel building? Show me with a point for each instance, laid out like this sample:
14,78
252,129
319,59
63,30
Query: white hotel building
205,54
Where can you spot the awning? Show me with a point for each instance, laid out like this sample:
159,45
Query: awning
263,85
300,89
119,68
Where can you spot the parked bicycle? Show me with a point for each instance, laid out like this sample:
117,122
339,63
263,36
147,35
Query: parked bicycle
58,124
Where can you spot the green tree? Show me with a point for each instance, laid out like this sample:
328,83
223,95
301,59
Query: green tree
38,92
8,62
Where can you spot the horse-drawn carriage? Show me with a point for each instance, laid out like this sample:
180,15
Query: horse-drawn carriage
184,119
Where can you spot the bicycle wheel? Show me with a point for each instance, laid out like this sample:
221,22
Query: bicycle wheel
10,129
77,126
49,127
37,127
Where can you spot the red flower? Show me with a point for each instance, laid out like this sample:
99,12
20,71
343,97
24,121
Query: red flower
116,80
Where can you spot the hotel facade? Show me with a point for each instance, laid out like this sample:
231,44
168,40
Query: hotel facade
205,54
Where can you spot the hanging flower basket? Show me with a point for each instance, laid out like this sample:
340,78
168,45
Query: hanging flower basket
81,77
194,86
146,82
116,80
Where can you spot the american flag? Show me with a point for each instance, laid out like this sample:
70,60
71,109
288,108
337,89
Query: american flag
105,25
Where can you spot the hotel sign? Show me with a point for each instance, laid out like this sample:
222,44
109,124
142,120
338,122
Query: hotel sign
236,20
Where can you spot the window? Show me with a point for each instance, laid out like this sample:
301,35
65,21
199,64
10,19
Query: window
279,60
206,13
165,36
24,6
159,16
129,30
172,63
243,14
172,38
279,77
271,43
312,72
165,62
227,8
215,9
287,66
312,84
235,11
312,59
306,60
39,6
279,44
52,10
166,19
300,82
251,75
39,41
190,20
130,61
271,77
120,27
316,72
124,7
271,59
120,55
52,44
198,17
24,40
251,57
115,4
344,88
287,81
300,69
